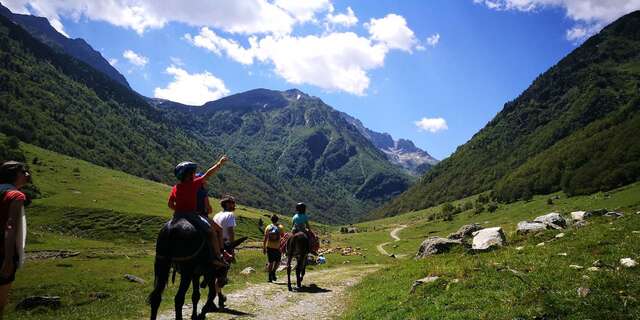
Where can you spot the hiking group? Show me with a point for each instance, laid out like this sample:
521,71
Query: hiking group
192,244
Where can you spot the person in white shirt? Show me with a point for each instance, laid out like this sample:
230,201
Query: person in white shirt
227,221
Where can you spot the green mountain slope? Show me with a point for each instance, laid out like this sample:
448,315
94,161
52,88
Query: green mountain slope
288,152
575,128
300,146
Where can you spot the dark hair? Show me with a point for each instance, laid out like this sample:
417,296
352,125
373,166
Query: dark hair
274,218
9,171
226,199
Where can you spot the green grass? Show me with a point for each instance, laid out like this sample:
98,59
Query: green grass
548,288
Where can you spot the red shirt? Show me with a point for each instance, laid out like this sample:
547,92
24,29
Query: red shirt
185,195
9,196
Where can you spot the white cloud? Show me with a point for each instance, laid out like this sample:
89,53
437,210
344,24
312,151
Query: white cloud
433,39
590,15
135,59
113,61
244,17
211,41
192,89
176,61
392,30
347,19
432,125
304,10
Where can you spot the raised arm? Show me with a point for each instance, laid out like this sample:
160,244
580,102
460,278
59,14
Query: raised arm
215,167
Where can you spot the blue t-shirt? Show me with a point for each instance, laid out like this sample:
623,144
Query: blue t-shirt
201,198
300,221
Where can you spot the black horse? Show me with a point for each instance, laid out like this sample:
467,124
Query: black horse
182,246
298,246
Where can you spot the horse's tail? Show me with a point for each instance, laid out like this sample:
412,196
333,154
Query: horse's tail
161,269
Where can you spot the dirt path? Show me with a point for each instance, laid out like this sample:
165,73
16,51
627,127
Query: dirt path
322,298
394,234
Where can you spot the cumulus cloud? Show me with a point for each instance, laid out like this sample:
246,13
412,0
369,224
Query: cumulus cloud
433,39
392,30
135,59
304,10
245,17
211,41
432,125
590,15
191,89
347,19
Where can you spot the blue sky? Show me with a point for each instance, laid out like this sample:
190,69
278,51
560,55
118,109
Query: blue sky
450,63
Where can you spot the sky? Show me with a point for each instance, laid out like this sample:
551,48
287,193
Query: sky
433,71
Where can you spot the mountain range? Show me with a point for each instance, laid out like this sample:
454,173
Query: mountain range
574,129
285,146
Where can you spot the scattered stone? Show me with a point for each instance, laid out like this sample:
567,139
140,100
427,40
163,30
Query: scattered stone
435,245
541,244
30,303
526,227
560,235
133,278
580,224
599,212
583,292
628,262
593,269
613,214
422,281
553,220
575,266
487,238
586,277
519,248
580,215
248,271
598,264
465,231
562,254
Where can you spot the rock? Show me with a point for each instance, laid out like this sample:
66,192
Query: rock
29,303
465,231
580,224
541,244
583,292
422,281
593,269
519,248
133,278
598,264
248,271
613,214
562,254
575,266
526,227
580,215
352,230
599,212
392,256
487,238
560,235
553,220
628,262
435,245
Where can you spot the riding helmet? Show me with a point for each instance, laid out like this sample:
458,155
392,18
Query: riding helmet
183,168
301,207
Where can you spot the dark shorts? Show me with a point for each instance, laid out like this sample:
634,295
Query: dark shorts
273,255
12,276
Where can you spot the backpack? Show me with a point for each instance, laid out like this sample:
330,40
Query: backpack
273,232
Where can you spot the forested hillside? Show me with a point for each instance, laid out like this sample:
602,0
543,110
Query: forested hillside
574,129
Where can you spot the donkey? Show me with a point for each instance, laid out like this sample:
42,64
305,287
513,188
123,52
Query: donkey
182,246
298,246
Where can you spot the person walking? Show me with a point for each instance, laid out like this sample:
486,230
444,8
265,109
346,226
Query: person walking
271,246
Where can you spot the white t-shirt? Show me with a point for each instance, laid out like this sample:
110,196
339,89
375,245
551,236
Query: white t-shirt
225,219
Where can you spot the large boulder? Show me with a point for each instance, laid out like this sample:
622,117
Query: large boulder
465,231
526,227
580,215
435,245
553,220
488,238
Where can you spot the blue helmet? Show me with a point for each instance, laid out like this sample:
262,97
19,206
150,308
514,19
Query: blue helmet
183,168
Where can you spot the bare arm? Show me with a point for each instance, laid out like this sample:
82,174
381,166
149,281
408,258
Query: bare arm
10,238
215,168
232,234
264,243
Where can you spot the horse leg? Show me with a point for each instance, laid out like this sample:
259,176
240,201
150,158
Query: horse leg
185,281
195,297
161,270
299,266
209,306
289,257
303,270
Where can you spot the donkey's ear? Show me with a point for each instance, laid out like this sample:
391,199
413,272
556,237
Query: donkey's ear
237,242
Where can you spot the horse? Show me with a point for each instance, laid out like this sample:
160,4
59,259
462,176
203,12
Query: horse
181,245
298,246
